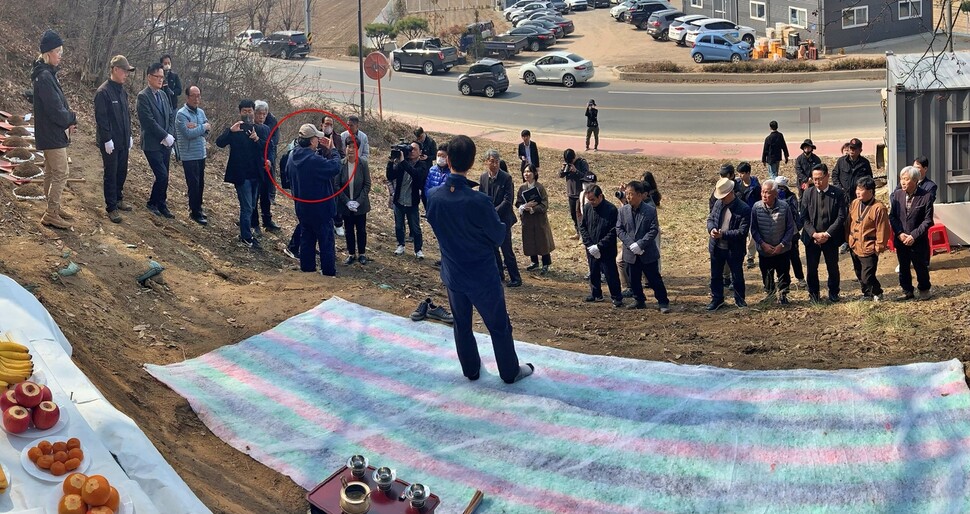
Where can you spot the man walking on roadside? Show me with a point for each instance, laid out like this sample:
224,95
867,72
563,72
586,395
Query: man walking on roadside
468,229
592,125
775,146
114,139
157,120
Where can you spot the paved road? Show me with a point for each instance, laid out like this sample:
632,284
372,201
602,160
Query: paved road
659,112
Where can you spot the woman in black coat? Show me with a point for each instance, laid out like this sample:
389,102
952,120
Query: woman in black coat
353,204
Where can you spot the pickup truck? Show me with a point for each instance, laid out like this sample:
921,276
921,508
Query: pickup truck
502,46
426,54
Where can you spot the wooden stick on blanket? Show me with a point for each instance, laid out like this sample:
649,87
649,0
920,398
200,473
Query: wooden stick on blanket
476,500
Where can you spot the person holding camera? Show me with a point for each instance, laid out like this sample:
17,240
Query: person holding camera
592,125
312,167
497,184
407,178
532,201
245,141
574,170
157,120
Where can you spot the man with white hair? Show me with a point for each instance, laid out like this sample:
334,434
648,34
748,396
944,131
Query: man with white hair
772,229
911,216
266,190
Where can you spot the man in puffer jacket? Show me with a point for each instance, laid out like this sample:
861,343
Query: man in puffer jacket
54,124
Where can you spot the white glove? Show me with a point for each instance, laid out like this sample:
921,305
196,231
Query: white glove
131,142
353,205
169,140
109,147
635,248
594,251
521,209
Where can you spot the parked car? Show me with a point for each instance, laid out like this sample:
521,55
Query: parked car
678,29
720,47
577,5
539,38
619,12
507,12
548,25
248,39
660,21
722,27
487,77
524,11
534,15
563,67
560,6
424,54
568,27
640,13
284,44
598,3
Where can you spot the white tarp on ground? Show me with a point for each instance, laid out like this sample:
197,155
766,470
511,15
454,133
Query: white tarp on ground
140,471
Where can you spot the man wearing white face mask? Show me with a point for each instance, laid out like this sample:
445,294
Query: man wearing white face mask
337,143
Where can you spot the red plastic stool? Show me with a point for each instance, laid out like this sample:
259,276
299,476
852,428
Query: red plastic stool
892,237
938,243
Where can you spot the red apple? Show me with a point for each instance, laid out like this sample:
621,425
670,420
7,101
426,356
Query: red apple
7,400
46,415
45,394
16,419
28,394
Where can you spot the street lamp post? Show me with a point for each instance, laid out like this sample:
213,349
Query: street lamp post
360,54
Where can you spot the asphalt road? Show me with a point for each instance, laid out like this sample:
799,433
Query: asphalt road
660,112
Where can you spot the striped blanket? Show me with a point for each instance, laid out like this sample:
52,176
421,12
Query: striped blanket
586,433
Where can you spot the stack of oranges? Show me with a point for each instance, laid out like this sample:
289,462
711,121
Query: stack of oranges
88,495
57,458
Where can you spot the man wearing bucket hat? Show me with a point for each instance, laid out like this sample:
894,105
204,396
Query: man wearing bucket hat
804,164
727,226
113,120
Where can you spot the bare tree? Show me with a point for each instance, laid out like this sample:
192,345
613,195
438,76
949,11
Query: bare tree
263,15
290,14
251,9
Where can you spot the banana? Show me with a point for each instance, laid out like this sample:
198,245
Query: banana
10,346
15,364
3,482
13,377
17,356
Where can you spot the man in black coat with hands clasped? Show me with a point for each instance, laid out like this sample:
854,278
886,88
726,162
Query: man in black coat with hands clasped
822,212
598,230
497,184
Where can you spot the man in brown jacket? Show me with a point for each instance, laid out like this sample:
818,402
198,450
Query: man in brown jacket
867,234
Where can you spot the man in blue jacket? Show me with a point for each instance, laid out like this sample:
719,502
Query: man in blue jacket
192,127
245,141
727,226
468,231
312,174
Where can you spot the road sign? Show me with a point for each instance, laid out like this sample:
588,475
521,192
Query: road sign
810,115
376,66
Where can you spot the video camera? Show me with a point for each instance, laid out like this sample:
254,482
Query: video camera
402,150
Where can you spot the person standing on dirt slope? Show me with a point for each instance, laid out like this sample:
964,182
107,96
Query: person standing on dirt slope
637,226
775,146
528,152
847,171
172,84
574,170
750,194
867,232
592,125
312,172
192,127
468,229
497,185
727,225
113,121
911,216
245,140
355,134
265,184
772,230
598,230
157,120
822,211
54,125
804,164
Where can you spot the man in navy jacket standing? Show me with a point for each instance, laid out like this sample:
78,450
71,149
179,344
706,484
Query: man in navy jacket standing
727,226
312,174
468,230
245,141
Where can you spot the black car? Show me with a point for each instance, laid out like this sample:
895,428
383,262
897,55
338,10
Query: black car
285,44
548,25
487,77
599,3
659,22
640,13
539,38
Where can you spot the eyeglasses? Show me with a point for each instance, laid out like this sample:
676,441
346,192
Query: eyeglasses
157,76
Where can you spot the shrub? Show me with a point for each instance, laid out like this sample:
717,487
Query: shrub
760,66
857,63
656,67
352,50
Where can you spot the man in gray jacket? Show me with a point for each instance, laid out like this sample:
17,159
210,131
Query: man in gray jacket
157,121
772,229
637,227
192,128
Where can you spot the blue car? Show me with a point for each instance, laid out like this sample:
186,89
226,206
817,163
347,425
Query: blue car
723,47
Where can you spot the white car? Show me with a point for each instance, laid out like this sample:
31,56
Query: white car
528,8
248,39
562,67
577,5
618,11
677,32
507,12
720,27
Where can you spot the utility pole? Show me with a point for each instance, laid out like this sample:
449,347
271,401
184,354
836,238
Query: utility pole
309,32
949,25
360,55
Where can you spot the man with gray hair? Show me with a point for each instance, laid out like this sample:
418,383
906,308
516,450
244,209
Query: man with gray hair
355,135
911,216
497,184
266,189
772,229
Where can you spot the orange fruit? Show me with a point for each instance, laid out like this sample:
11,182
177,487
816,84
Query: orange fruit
74,482
59,447
58,469
75,453
45,461
71,504
96,491
60,456
45,447
100,510
73,442
114,500
34,453
72,464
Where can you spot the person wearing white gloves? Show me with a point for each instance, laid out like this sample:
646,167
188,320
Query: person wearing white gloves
353,204
598,230
637,227
113,123
157,120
